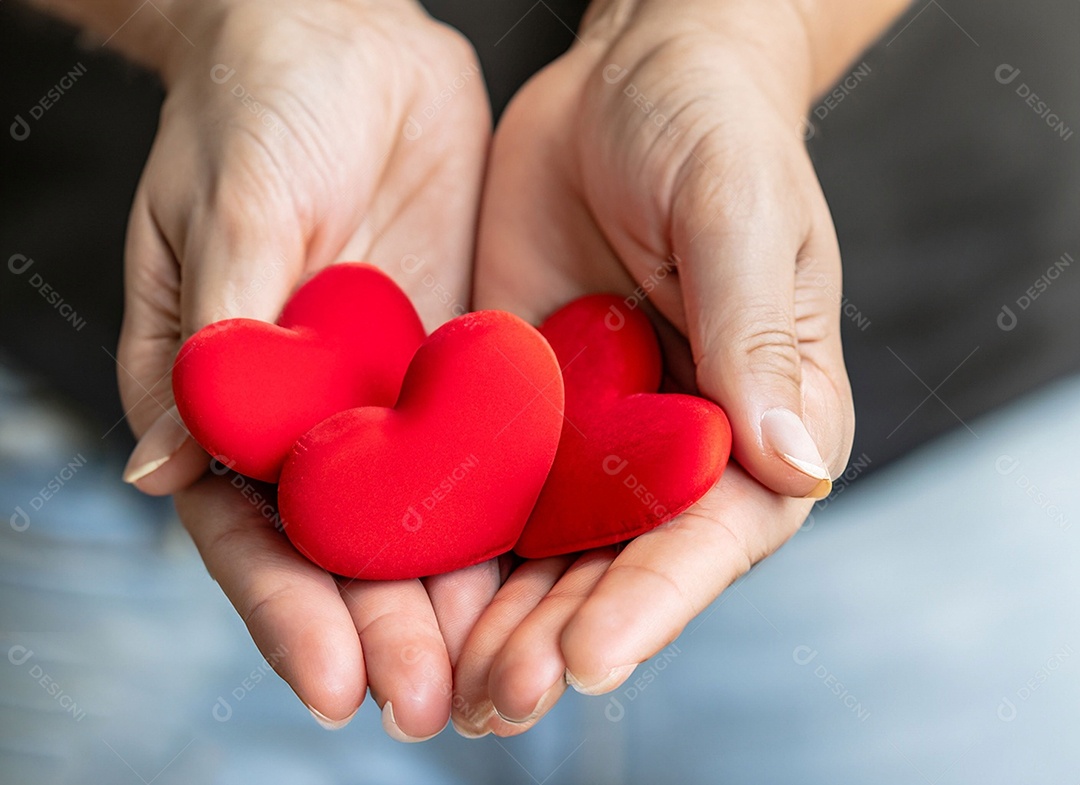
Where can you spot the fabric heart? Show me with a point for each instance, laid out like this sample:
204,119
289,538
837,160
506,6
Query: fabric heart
629,458
247,390
445,479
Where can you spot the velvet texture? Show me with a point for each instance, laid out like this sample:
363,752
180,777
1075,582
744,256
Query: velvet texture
247,390
629,458
446,478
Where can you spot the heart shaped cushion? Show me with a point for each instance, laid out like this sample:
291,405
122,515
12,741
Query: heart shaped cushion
446,478
247,390
629,458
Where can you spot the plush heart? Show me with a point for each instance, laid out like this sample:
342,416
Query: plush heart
247,390
446,478
629,458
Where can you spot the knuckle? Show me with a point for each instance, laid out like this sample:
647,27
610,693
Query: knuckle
708,182
728,192
762,331
256,609
725,173
458,46
816,318
758,349
772,351
246,209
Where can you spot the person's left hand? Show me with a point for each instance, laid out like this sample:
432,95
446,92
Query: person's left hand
663,160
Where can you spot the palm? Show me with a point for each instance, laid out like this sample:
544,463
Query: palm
538,245
541,243
238,204
557,224
300,171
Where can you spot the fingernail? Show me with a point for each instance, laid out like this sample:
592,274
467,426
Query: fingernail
394,732
615,676
550,695
469,734
783,432
328,723
472,728
164,439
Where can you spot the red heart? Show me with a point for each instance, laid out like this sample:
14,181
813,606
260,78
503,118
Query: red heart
247,390
629,458
445,479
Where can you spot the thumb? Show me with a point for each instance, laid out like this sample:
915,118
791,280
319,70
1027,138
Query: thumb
755,329
233,261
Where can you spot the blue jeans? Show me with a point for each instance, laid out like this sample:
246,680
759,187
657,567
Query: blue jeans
922,627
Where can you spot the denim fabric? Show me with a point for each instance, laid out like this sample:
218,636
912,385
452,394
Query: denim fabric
922,622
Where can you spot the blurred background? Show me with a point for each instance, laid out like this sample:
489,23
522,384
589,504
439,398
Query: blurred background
921,626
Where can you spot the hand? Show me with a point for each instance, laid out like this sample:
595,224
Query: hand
295,135
662,158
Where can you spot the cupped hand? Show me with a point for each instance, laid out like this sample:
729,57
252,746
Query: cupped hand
293,136
660,158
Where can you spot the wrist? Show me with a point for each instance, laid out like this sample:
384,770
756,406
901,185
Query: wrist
128,27
799,47
250,24
155,33
840,30
767,43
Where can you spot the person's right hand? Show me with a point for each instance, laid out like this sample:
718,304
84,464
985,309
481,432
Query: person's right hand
295,135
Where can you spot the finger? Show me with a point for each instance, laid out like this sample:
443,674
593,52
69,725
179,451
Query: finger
739,245
166,459
664,578
291,607
523,590
527,676
459,598
150,329
827,401
407,665
148,340
241,257
238,258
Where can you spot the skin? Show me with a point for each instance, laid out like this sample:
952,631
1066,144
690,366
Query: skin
585,192
712,174
229,218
